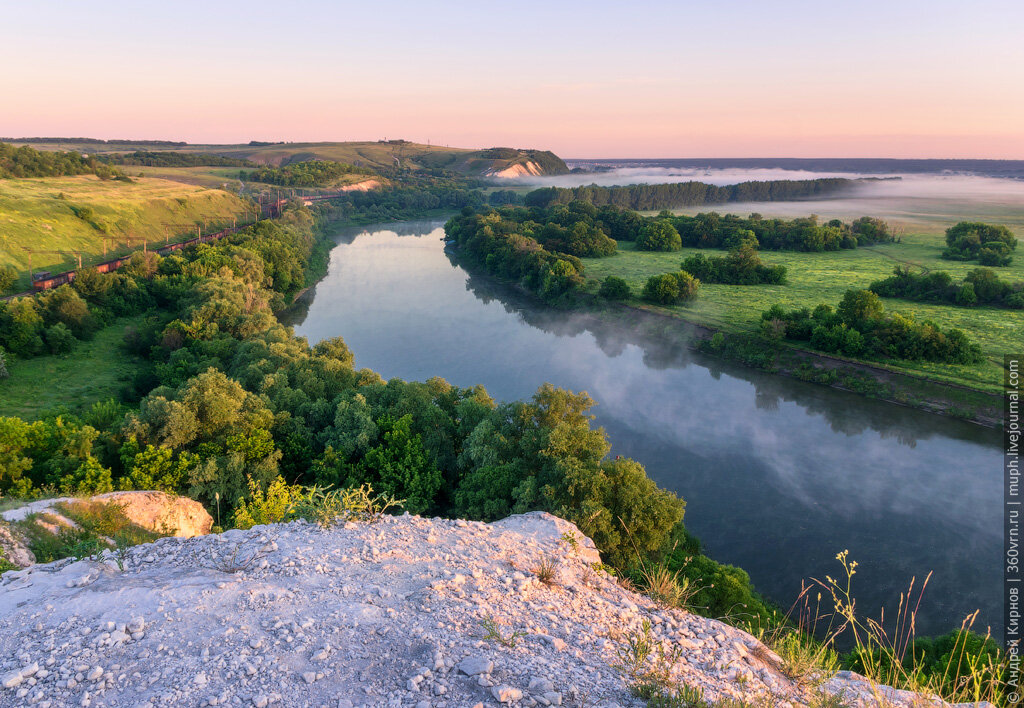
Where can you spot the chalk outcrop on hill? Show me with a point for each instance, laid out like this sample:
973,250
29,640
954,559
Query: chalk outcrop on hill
403,612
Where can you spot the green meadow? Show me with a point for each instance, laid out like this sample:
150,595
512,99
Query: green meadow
815,278
97,218
96,370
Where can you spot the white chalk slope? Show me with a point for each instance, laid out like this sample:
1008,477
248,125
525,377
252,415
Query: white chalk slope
384,614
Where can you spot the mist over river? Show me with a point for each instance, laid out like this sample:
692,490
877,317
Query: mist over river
778,475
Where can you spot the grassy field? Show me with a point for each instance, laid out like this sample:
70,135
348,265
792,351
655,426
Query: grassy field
95,371
40,214
823,277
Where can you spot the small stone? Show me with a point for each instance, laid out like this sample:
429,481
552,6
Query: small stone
541,685
475,665
553,697
309,676
260,701
94,673
11,679
506,694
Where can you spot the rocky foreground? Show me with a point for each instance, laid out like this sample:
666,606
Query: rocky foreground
403,612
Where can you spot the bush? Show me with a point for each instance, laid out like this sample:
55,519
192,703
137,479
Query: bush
615,288
658,235
59,339
662,289
8,277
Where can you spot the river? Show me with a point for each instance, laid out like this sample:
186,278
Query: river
778,475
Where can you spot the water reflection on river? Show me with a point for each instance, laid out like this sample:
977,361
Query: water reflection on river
778,475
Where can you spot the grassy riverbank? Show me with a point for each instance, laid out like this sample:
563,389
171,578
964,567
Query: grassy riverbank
815,278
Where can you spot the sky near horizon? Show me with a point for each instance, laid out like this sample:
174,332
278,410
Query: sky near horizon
733,78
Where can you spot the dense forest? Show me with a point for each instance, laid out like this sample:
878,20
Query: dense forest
650,197
175,159
313,173
26,161
988,244
981,286
860,327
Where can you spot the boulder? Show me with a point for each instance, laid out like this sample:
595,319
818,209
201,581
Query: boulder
162,513
14,549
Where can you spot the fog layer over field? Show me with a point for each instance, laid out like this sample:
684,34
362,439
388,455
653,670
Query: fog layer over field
929,201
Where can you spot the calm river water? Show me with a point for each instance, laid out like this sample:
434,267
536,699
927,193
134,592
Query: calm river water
778,475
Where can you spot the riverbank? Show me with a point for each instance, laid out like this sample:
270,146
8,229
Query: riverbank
872,380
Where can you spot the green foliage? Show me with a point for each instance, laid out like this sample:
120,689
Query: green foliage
658,235
742,266
8,277
860,327
670,288
174,159
26,161
313,173
989,244
267,506
398,465
712,230
649,197
981,286
615,288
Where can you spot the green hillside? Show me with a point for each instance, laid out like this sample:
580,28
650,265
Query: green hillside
376,154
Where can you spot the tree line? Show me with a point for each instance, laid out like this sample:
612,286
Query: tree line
312,173
26,161
981,286
860,327
650,197
175,159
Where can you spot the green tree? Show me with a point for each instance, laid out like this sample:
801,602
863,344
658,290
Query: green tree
662,289
615,288
658,235
399,466
858,308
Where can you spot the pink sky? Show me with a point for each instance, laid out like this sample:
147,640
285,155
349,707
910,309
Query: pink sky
902,79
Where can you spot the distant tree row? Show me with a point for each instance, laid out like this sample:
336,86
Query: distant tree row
175,159
988,244
26,161
313,173
713,230
860,327
979,287
649,197
96,141
397,203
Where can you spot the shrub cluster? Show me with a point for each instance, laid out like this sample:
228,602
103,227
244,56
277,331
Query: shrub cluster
671,288
861,327
26,161
980,287
742,266
713,230
988,244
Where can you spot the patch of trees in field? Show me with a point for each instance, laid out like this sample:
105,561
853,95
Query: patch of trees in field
650,197
313,173
741,266
989,244
981,286
175,159
670,288
712,230
26,161
860,327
